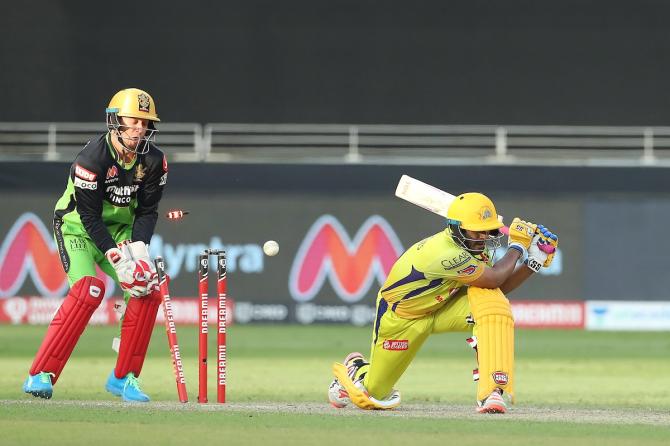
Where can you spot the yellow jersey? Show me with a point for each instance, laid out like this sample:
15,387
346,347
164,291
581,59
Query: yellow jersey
428,274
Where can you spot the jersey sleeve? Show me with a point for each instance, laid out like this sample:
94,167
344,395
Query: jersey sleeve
148,197
89,195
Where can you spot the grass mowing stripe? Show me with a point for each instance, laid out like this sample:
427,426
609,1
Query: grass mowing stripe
28,423
564,374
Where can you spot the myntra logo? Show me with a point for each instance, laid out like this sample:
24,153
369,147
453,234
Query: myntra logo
351,266
29,249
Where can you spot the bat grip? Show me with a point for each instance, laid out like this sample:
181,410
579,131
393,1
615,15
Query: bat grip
547,248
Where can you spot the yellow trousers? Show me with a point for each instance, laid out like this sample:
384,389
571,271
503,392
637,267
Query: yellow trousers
396,341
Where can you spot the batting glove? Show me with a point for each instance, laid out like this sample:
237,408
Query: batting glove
542,249
521,235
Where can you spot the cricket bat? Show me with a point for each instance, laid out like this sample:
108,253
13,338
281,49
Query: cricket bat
426,196
436,200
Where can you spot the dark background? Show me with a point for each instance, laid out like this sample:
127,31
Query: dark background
611,221
427,62
358,61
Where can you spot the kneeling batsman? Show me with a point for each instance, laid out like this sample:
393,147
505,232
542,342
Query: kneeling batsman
446,283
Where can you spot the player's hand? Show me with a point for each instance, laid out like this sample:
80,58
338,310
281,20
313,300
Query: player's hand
132,278
542,249
548,243
521,235
139,252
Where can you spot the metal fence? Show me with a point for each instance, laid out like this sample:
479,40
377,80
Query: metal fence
381,144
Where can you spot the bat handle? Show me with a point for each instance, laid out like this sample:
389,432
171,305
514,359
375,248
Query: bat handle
547,248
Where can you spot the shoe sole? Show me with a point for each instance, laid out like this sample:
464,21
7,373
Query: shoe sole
492,409
128,400
43,395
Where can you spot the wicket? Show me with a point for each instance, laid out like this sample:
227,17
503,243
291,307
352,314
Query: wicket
203,329
171,330
221,288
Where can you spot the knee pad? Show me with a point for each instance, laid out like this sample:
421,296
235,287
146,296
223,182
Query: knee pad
136,328
67,326
494,327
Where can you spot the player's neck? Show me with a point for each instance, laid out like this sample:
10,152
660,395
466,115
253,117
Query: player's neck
124,155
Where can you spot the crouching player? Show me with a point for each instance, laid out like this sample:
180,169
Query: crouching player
446,283
106,217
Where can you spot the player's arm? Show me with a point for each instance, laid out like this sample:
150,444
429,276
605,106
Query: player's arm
521,235
495,276
89,195
539,254
519,276
148,198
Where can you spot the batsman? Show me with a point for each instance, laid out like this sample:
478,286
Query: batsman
449,283
106,217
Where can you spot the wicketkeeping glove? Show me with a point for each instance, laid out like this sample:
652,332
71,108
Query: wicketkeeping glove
139,252
521,235
132,278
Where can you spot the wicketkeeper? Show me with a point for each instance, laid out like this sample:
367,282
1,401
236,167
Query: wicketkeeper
444,283
106,217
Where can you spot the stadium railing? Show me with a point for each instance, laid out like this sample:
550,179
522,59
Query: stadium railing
382,144
63,140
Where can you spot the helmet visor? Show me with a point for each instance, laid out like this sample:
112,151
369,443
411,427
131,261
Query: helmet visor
133,138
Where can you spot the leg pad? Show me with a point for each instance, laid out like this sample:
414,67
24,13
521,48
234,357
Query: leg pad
136,328
494,328
67,326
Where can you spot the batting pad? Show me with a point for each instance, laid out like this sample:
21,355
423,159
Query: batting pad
136,328
359,396
494,326
67,326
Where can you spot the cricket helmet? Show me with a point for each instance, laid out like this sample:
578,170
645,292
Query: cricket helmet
132,103
474,212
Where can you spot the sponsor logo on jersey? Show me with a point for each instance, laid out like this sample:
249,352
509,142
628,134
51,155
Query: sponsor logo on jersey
456,262
112,172
121,195
140,172
84,174
470,269
165,166
395,344
500,378
163,180
143,102
90,185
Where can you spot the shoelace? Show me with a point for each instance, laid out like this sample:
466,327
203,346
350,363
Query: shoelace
45,377
133,382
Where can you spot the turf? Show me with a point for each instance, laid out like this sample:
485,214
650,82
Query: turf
569,375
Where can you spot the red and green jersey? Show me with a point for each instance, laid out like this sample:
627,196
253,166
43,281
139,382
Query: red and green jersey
104,196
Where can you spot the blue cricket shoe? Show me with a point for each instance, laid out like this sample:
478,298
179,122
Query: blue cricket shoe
39,385
127,388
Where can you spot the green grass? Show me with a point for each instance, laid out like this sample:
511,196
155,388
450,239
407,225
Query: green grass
555,369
